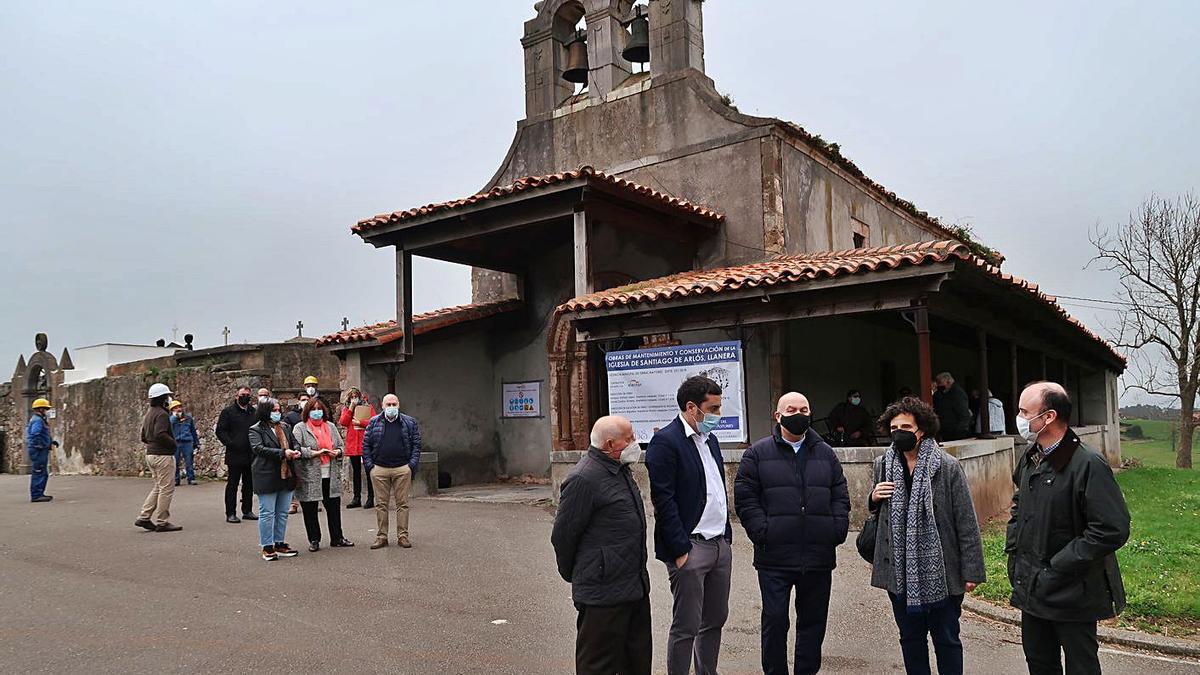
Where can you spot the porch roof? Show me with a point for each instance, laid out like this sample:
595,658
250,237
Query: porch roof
796,271
390,331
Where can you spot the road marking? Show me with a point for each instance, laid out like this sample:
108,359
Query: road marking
1168,659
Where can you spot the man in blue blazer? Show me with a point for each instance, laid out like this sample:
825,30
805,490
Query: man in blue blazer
691,526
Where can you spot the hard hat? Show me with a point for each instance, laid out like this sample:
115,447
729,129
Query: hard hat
175,404
310,380
158,389
41,403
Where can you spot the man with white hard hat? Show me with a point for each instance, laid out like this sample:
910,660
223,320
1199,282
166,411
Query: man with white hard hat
160,457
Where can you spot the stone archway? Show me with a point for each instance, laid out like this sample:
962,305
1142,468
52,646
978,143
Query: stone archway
570,393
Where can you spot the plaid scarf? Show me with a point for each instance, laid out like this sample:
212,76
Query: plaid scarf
916,547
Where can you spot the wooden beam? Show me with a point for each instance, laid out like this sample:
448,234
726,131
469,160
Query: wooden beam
985,396
583,261
1016,384
404,299
924,354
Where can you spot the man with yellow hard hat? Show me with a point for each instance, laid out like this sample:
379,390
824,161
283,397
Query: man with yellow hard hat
38,444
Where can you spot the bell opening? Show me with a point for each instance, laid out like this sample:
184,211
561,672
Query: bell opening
637,38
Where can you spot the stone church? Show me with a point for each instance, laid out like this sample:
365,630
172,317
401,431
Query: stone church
641,209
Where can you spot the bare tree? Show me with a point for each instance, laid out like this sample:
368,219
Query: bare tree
1157,254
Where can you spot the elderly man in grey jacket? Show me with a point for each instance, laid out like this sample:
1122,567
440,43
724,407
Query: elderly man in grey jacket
599,542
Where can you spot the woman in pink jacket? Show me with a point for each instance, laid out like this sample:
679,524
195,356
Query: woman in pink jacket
354,438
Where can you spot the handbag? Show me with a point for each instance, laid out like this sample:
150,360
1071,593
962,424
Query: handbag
865,542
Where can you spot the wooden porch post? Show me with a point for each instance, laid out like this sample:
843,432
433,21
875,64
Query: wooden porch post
583,270
404,299
1016,384
924,357
984,413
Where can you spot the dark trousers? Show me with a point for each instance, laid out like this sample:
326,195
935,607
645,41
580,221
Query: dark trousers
239,473
613,640
940,624
812,613
356,466
1045,642
700,608
333,515
39,473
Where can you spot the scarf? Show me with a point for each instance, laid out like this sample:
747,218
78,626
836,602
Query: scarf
916,547
321,433
285,466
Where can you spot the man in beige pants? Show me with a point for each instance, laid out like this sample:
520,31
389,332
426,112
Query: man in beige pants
160,456
391,452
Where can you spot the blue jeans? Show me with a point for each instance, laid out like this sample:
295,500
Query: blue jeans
941,624
39,472
272,517
185,454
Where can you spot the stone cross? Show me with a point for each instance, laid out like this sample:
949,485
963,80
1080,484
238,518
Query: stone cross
299,329
345,323
226,334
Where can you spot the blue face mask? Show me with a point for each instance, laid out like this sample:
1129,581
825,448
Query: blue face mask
709,423
276,416
391,414
855,400
316,414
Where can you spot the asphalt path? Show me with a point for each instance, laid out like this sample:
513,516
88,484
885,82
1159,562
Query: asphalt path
82,589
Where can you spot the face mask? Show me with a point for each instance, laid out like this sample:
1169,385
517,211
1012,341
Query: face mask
796,424
312,391
244,400
276,416
631,453
262,399
904,441
856,400
709,423
316,415
1028,434
391,414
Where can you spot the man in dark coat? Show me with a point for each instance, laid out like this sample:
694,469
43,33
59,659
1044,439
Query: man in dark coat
952,408
233,430
791,496
691,526
599,542
1068,520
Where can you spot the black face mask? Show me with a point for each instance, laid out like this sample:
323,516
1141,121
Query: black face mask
244,400
904,441
796,424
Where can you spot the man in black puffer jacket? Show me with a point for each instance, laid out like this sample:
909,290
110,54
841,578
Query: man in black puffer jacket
599,542
791,496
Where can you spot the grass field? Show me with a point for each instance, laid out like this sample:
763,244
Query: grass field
1161,563
1155,448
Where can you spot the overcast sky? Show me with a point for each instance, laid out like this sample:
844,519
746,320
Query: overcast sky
199,164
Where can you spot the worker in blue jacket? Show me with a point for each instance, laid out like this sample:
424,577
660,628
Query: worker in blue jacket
38,444
183,427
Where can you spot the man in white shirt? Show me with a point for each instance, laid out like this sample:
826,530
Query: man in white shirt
691,526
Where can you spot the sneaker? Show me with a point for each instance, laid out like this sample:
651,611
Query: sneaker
147,524
269,554
249,516
285,551
41,500
404,542
314,546
232,519
379,543
192,482
167,527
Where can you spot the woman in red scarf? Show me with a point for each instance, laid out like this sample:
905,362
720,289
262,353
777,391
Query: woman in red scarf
321,449
354,426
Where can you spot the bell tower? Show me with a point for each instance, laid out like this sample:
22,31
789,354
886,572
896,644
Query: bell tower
676,43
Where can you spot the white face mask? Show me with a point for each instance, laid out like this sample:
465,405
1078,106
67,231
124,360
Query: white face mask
1023,429
312,391
262,399
631,454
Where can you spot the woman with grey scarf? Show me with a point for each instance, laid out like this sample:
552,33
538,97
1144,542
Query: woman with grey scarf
928,552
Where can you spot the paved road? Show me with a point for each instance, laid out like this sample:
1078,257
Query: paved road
81,588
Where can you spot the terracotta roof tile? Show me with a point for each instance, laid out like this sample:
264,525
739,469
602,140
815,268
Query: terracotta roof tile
808,267
533,183
389,331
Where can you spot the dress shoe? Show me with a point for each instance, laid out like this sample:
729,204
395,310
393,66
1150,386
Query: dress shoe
356,504
379,543
167,527
404,542
314,546
370,504
341,543
232,519
249,516
42,500
144,524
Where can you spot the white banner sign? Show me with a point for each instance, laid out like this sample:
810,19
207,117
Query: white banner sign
522,399
642,385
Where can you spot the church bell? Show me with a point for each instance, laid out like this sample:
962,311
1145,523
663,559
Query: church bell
637,45
577,60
